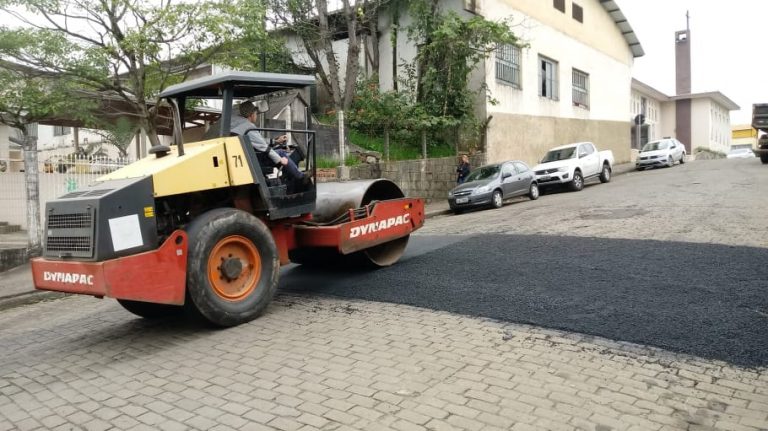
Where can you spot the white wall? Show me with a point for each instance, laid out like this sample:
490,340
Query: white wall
710,125
595,47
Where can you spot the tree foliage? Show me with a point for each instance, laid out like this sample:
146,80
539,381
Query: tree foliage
450,48
129,49
26,97
317,27
437,98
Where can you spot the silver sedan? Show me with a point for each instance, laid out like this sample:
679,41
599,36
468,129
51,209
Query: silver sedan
490,185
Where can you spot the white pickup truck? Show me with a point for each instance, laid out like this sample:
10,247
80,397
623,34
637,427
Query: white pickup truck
573,164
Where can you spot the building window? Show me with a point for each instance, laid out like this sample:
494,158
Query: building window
61,130
580,88
548,78
560,5
508,64
577,12
472,6
32,130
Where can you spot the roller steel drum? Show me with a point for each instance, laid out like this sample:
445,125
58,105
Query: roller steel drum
336,198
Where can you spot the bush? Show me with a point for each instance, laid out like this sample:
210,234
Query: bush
702,153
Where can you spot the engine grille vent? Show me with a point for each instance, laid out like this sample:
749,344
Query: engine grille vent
69,221
69,244
69,233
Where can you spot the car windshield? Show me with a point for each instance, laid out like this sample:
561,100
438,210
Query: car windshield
561,154
483,173
658,145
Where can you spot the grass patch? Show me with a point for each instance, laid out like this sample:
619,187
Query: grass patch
327,162
399,150
707,154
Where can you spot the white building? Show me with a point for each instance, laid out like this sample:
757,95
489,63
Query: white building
710,120
571,82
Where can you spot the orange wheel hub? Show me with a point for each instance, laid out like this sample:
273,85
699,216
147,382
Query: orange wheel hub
234,268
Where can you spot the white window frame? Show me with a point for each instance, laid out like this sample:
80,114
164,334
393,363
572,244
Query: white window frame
508,59
548,78
580,83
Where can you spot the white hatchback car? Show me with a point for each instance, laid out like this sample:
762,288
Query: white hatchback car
664,152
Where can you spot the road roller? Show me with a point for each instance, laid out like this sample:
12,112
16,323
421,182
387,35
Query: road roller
202,227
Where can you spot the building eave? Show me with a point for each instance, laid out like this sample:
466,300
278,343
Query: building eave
621,21
647,89
717,96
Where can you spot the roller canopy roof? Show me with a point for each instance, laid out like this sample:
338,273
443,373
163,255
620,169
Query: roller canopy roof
244,84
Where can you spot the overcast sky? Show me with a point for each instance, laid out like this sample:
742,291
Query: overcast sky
724,47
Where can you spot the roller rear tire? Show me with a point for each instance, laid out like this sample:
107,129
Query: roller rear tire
150,310
232,267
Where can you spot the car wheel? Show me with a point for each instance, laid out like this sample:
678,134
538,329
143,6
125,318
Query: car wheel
682,158
671,162
458,211
533,193
578,182
639,168
605,174
497,200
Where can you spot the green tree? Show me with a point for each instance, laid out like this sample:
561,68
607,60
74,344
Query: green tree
28,96
450,48
317,28
128,49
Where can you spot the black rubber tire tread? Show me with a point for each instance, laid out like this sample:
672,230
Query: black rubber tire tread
572,185
531,195
764,160
605,178
149,310
493,200
204,233
682,159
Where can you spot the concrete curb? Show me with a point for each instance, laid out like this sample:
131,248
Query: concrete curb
27,298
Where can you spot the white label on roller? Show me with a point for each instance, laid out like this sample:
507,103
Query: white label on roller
126,232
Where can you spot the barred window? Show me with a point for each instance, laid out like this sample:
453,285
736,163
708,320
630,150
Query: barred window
559,5
580,89
578,13
548,78
508,64
61,130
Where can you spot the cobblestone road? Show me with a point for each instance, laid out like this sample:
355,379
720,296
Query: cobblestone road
329,364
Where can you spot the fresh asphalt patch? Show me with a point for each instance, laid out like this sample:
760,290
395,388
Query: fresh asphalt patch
705,300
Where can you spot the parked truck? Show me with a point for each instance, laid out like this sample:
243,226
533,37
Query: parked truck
203,227
760,123
573,164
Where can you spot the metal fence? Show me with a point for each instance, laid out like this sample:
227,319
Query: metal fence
57,177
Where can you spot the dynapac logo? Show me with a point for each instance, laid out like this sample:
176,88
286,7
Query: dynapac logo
378,226
68,277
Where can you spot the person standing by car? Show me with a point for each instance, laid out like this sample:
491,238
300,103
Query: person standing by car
463,169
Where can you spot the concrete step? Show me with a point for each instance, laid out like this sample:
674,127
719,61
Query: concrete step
9,228
12,257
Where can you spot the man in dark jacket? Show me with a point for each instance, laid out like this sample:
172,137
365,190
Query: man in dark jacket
463,169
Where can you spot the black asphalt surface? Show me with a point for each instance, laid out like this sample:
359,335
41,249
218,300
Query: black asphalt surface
705,300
